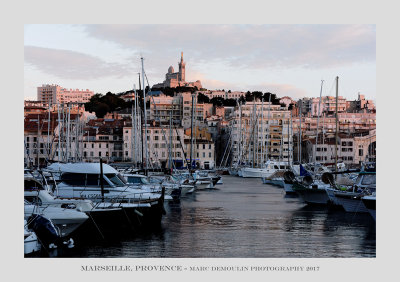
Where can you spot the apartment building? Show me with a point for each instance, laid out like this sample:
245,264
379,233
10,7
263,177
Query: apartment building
54,94
262,132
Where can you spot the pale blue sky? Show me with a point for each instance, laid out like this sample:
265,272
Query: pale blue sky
289,60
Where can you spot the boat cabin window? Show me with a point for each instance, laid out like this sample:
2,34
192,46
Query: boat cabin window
82,179
115,179
74,179
93,179
30,185
134,180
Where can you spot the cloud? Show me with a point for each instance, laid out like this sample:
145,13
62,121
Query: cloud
72,65
248,46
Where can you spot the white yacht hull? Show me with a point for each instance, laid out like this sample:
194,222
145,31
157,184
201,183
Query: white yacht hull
31,243
66,220
204,185
248,172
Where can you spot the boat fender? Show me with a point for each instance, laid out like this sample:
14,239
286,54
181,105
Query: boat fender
307,180
327,178
288,176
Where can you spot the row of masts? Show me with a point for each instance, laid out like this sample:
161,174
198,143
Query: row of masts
246,135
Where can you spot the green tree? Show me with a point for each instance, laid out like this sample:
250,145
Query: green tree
201,98
101,110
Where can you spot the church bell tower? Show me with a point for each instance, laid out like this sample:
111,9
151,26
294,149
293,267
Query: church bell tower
182,65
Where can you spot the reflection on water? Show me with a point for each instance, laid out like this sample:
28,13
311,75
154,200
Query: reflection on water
245,218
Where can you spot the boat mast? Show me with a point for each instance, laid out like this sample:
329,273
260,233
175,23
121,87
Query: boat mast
170,141
240,133
289,136
59,132
191,135
262,132
316,138
133,129
48,134
37,142
145,120
300,133
337,133
269,123
254,138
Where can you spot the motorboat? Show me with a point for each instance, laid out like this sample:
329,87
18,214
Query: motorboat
275,179
106,187
269,168
31,242
152,184
99,214
66,220
351,198
202,180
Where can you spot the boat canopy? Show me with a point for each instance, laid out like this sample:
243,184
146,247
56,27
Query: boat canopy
85,168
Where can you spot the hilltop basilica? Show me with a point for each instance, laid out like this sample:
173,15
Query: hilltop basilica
175,79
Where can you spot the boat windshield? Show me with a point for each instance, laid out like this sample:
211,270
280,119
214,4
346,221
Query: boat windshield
115,179
369,179
145,180
137,180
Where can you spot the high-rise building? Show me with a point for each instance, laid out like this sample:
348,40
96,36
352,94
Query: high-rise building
54,94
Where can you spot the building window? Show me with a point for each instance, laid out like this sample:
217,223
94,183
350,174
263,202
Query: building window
91,154
99,146
209,154
204,146
209,146
360,152
92,145
99,154
84,154
84,145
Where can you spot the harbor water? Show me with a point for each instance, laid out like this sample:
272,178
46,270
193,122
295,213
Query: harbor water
244,218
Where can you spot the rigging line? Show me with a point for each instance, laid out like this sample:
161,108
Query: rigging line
162,129
332,87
